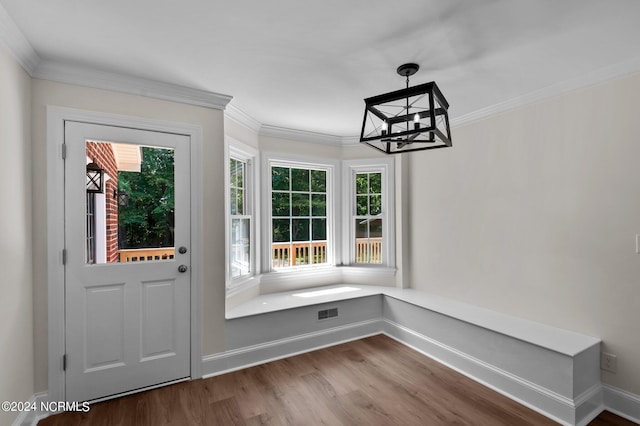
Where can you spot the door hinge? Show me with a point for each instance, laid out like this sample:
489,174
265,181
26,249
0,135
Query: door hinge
64,151
64,256
64,362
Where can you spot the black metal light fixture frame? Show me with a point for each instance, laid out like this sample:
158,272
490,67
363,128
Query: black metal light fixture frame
95,178
410,119
122,198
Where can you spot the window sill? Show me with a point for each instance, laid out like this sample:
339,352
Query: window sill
242,284
295,278
314,276
355,271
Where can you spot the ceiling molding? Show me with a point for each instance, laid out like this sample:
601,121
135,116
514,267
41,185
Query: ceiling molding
300,135
351,141
90,77
598,76
239,116
601,75
36,67
17,43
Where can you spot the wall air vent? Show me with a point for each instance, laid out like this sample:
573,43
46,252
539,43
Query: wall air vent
327,313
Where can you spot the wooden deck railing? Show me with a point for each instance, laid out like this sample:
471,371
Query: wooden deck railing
292,254
374,248
146,254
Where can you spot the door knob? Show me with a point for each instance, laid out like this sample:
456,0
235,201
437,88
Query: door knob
182,250
182,268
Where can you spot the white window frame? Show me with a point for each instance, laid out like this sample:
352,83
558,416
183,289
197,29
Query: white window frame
250,156
331,166
350,168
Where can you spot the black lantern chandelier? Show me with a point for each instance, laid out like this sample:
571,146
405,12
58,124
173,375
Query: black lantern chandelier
411,119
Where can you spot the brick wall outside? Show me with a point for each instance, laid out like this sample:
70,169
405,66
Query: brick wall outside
102,154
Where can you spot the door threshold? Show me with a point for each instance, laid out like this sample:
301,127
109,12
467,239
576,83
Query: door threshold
131,392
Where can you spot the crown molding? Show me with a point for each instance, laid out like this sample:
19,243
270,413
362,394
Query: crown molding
239,116
351,141
300,135
17,43
36,67
592,78
90,77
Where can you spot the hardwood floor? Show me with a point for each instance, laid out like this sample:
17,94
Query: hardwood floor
373,381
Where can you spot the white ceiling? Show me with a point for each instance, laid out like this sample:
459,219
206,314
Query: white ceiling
308,65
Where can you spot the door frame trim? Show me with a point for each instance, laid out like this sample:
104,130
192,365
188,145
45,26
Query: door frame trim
56,117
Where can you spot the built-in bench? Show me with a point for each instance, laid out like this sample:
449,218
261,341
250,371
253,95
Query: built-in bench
551,370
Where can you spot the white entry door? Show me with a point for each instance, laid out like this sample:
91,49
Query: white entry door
127,270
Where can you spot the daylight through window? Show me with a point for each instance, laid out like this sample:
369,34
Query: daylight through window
240,256
298,216
368,217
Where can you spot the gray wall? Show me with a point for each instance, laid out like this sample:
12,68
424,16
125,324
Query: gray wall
16,303
535,212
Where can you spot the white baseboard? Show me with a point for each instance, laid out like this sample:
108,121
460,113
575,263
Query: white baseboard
579,411
620,402
237,359
534,396
31,418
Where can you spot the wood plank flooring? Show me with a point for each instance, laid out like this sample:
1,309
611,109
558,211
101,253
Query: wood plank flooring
373,381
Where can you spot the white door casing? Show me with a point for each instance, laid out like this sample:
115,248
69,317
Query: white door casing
127,325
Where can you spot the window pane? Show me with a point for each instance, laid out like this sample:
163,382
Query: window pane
319,229
319,252
362,183
375,241
280,204
300,180
362,241
306,189
240,247
362,228
240,201
318,205
375,228
318,181
280,178
300,229
301,253
233,164
145,226
280,230
361,206
240,174
368,227
375,183
375,206
300,204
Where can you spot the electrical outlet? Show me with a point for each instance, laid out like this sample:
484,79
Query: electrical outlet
608,362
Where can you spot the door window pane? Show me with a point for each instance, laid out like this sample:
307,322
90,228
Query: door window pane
133,218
